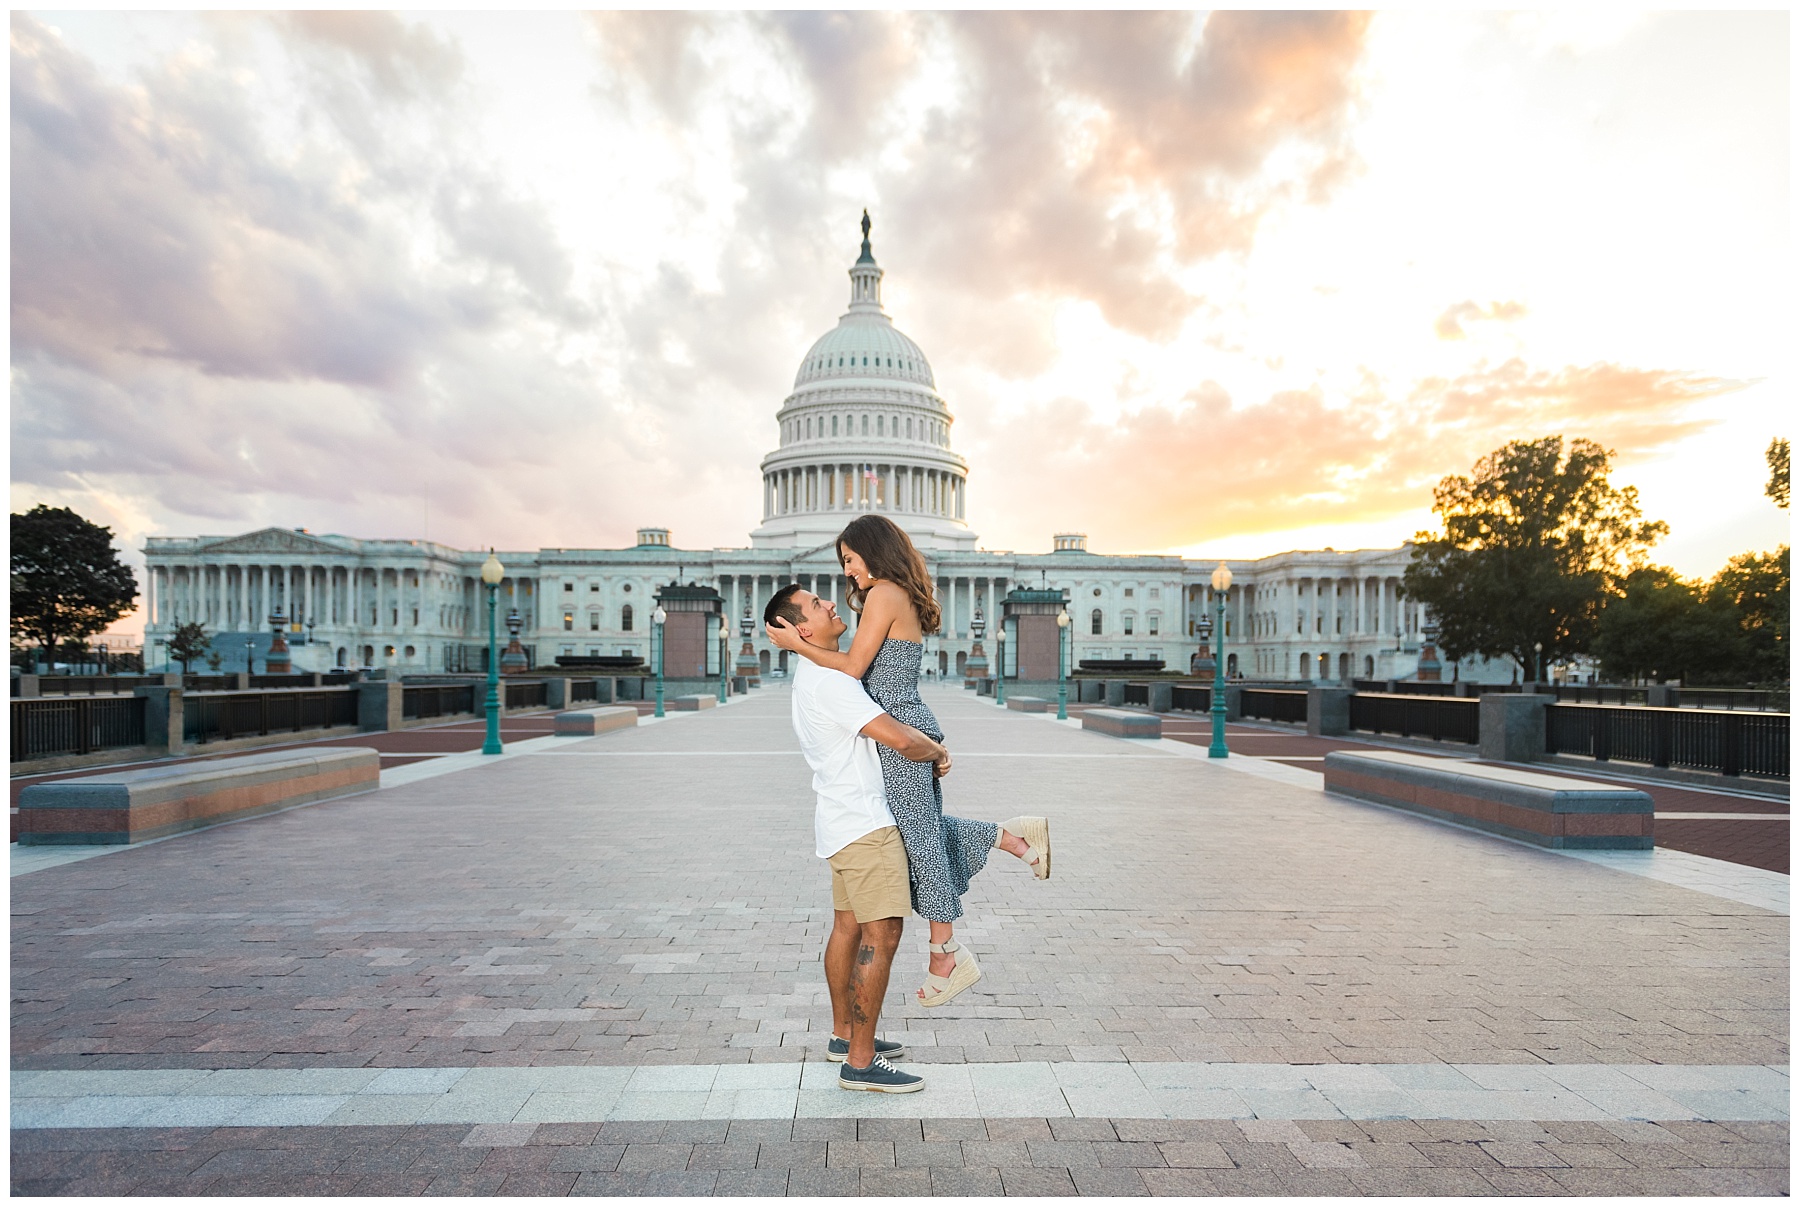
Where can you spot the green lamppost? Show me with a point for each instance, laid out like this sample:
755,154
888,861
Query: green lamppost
491,574
724,652
1000,663
656,633
1221,583
1062,677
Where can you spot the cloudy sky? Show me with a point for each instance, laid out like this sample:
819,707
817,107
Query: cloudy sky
1222,284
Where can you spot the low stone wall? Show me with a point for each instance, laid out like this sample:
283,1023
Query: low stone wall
152,802
591,722
1118,723
1548,810
693,702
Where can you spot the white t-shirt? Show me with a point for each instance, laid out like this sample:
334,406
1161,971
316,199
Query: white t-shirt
830,708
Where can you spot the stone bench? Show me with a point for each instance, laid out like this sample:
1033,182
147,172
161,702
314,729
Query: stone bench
118,807
692,703
1549,810
1118,723
591,722
1028,704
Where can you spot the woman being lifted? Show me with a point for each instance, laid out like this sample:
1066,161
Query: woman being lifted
896,607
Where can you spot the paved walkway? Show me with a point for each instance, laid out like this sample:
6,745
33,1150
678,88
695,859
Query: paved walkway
591,965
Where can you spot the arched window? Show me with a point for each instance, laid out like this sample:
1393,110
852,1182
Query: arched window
1305,665
1368,668
1095,621
625,618
880,423
865,425
834,425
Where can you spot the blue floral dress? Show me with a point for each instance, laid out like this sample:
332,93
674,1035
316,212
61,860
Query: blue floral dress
944,852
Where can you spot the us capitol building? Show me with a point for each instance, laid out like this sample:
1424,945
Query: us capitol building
864,429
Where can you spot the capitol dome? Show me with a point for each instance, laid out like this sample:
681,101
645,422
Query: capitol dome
864,346
864,430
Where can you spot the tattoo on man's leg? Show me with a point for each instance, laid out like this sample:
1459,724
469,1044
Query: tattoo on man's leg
865,954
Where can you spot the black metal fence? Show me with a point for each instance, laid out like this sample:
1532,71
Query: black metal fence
1434,717
1405,687
1137,693
526,695
1599,693
583,691
1271,705
440,700
221,717
90,685
1731,698
1187,698
1730,743
41,728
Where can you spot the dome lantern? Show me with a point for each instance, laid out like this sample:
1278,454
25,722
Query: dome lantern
865,277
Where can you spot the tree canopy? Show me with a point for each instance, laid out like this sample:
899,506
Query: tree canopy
1662,627
1532,543
188,642
1777,457
67,580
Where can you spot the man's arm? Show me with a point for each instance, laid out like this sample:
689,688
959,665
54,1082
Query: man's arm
908,743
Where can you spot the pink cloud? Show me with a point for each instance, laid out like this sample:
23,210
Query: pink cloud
1176,476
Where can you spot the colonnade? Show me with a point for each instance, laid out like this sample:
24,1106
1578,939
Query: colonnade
241,596
910,489
1333,607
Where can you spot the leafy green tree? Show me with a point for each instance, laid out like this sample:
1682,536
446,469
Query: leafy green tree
1755,585
188,642
1532,543
1777,488
67,581
1661,627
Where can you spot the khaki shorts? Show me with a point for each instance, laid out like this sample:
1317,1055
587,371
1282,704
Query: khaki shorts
869,877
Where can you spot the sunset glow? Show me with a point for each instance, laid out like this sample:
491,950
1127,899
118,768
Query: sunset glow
1220,286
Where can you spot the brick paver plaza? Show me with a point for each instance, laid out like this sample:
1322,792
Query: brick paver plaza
592,966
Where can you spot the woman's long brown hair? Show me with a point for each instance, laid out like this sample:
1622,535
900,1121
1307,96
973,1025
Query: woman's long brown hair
890,554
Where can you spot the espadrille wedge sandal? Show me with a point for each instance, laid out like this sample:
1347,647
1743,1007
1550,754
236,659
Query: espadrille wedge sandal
940,989
1036,833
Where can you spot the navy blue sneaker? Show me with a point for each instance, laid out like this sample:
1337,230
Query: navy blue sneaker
880,1076
838,1050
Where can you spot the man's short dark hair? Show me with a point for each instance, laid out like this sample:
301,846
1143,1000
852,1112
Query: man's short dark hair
782,604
